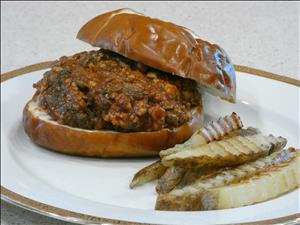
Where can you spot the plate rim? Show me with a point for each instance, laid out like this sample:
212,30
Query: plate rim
80,218
75,217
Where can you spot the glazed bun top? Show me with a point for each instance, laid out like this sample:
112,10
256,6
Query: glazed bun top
164,46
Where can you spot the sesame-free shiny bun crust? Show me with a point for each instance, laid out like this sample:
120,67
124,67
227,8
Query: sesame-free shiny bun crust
46,132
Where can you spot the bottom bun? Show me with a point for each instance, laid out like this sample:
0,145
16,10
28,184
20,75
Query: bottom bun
102,143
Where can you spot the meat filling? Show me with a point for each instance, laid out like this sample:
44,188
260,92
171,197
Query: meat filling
103,90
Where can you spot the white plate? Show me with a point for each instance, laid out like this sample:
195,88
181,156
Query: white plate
86,190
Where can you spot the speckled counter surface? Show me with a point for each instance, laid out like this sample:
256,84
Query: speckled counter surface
262,35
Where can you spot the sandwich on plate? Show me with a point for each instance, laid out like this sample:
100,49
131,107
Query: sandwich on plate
137,94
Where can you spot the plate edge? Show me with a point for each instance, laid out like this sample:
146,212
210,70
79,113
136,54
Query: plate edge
239,68
74,217
55,212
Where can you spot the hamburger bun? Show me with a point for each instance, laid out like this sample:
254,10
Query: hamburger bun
164,46
102,143
151,43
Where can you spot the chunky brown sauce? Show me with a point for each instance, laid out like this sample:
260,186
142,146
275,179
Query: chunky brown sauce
103,90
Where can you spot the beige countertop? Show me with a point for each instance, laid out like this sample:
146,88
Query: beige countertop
264,35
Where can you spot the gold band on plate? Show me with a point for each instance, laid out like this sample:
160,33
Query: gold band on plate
239,68
26,69
70,216
262,73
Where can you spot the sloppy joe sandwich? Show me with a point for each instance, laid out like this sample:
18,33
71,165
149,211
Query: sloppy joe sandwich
140,93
